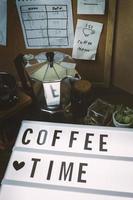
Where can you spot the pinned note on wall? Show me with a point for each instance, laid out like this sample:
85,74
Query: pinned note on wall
46,23
86,39
3,22
91,7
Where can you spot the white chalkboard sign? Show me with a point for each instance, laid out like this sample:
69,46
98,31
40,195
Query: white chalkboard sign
65,161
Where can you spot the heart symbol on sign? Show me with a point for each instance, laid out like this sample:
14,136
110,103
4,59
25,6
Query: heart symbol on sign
18,165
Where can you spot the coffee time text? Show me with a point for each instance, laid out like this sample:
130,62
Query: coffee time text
57,137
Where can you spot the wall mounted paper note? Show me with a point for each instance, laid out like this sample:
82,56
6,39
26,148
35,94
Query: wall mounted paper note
52,93
3,22
96,7
46,23
86,39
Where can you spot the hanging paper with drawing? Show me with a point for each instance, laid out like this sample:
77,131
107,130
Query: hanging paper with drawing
46,23
91,7
86,40
3,22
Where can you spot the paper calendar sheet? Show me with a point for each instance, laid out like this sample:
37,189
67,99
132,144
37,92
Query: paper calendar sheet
46,23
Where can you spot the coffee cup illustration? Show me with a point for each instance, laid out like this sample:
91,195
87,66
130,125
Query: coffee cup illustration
88,31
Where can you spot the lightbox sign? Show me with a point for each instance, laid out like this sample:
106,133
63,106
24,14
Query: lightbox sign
67,161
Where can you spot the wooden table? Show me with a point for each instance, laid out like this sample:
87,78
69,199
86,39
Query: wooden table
23,101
